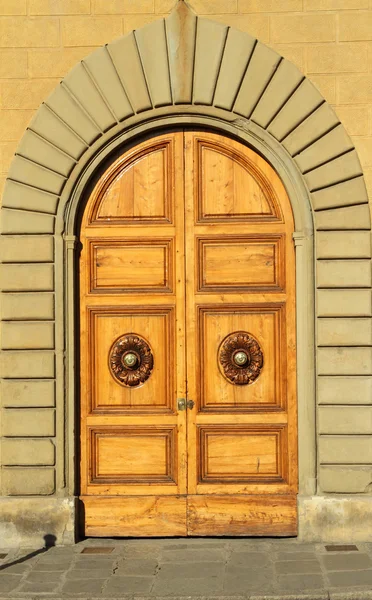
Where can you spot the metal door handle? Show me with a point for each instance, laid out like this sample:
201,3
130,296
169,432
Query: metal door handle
182,404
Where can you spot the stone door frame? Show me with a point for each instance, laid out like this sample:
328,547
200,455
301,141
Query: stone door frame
257,139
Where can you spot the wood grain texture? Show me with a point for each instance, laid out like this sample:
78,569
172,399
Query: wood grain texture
242,439
242,515
138,187
187,240
241,264
149,516
132,266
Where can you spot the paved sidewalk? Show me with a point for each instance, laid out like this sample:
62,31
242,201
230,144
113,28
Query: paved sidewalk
203,568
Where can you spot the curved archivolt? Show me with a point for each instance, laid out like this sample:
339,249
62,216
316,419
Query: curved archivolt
184,60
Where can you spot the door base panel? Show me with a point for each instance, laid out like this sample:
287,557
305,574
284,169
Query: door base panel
242,515
134,516
165,516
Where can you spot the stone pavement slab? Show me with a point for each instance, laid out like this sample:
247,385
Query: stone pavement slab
192,568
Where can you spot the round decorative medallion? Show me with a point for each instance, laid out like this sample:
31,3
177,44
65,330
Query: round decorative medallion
240,358
131,360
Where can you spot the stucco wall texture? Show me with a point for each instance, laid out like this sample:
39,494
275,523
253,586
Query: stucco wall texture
329,40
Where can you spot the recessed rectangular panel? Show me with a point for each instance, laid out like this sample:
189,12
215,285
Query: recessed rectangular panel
136,516
132,266
260,383
237,453
242,515
107,328
132,455
241,264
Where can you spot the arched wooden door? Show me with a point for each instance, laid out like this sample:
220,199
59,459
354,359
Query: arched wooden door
188,361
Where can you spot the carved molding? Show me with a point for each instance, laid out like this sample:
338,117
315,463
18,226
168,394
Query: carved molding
131,360
240,358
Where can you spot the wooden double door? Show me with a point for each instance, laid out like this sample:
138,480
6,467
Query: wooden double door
188,361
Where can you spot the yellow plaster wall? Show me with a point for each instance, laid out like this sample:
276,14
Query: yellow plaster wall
329,40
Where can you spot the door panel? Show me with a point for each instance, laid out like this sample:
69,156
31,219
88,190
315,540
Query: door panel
187,272
154,324
133,438
240,305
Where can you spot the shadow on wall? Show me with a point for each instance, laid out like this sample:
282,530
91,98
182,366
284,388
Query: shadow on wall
50,541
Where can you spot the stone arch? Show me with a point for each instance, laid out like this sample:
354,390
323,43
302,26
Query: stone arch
192,70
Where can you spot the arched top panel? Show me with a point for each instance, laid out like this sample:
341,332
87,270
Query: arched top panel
182,63
224,166
119,198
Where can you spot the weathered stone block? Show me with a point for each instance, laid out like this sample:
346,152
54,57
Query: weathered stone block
82,87
205,7
21,335
256,6
24,32
355,26
119,7
344,303
344,168
312,129
348,217
19,481
14,122
343,273
90,31
346,193
344,332
27,452
26,94
344,361
30,248
27,197
345,390
31,277
345,479
55,62
102,70
25,521
354,119
27,393
28,364
13,7
48,126
35,175
27,307
303,28
340,449
67,7
256,25
13,64
354,89
346,420
73,116
363,146
14,221
299,106
30,422
285,80
339,58
335,4
48,155
335,519
325,148
343,244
